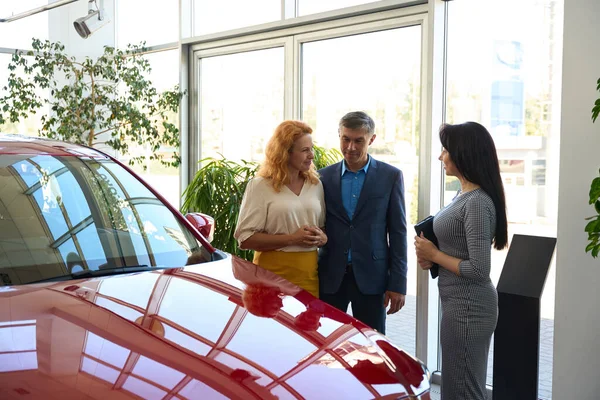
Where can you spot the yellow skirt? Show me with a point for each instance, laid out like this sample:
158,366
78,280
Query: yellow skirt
299,267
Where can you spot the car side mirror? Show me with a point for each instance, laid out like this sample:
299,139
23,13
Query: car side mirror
205,224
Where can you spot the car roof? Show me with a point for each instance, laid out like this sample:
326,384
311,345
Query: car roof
21,144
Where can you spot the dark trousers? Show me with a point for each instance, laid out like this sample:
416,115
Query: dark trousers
366,308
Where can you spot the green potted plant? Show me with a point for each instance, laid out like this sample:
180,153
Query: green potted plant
593,227
107,101
218,187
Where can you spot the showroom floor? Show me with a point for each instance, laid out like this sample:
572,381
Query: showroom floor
400,328
435,392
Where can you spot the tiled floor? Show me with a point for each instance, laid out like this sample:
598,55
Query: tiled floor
435,392
400,329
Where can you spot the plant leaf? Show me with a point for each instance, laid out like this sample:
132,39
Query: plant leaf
595,190
591,226
589,247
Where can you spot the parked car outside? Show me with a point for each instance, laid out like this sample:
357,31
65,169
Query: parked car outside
107,291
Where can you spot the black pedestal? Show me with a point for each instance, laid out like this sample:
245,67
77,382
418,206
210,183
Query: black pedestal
517,335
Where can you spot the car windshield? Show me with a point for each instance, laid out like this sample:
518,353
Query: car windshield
64,214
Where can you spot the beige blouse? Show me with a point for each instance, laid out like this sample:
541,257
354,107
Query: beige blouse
264,210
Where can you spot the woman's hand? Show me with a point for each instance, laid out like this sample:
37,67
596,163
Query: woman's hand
307,236
319,234
424,264
425,249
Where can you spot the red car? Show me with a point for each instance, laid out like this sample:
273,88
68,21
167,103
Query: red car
108,292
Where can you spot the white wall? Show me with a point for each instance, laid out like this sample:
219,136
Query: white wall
577,315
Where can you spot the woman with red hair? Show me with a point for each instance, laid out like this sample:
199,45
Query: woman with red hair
283,208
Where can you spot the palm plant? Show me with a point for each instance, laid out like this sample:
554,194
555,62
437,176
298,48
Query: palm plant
217,190
218,187
325,157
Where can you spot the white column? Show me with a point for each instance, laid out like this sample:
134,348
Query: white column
577,317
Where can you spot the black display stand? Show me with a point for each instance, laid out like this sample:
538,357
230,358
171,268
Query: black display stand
517,335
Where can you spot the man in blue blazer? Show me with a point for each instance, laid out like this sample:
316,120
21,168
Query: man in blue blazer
364,260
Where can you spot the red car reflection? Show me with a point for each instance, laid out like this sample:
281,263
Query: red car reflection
97,300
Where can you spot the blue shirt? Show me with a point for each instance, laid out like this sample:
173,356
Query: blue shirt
352,183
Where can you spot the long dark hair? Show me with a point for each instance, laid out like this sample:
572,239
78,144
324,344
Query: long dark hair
472,150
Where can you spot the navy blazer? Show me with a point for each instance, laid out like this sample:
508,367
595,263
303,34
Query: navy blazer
376,233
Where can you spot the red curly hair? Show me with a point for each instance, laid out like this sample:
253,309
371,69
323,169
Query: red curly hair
308,320
277,154
262,300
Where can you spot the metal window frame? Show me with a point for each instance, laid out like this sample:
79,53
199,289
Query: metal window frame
395,22
290,11
284,37
431,198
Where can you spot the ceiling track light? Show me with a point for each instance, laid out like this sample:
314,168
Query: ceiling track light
94,20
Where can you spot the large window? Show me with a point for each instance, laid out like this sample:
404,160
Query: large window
18,34
155,22
511,86
217,16
241,102
164,76
29,126
18,349
306,7
152,21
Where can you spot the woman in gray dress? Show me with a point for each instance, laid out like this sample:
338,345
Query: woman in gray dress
466,230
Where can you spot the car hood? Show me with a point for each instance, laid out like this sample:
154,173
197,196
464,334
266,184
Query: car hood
224,329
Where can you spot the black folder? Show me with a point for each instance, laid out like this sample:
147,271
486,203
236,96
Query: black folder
426,226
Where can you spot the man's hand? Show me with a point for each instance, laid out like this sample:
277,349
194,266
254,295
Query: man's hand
394,300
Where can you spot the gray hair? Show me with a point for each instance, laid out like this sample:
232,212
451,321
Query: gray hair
358,120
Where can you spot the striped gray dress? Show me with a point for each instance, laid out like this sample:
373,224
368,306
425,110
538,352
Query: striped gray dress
465,229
